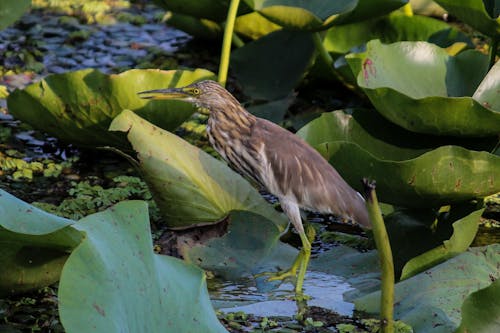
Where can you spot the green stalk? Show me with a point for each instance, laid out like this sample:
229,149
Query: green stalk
493,50
226,42
385,257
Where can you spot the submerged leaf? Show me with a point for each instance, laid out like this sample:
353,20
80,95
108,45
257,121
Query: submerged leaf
114,282
189,186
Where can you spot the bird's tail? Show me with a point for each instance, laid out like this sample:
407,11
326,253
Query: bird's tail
360,212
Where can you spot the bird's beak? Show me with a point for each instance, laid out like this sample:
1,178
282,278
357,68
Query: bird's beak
172,93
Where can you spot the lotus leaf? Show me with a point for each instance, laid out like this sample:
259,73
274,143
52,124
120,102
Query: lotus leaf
302,15
278,60
78,107
198,27
368,9
395,27
114,282
479,14
431,300
189,186
389,29
247,248
215,10
11,10
254,26
360,269
418,86
488,91
427,7
34,245
464,231
445,175
481,310
408,169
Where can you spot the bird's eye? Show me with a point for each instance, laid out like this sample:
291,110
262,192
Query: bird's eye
196,91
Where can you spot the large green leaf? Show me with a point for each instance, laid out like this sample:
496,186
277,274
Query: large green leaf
464,231
487,92
408,168
389,29
11,10
78,107
431,301
481,310
270,67
476,14
197,27
114,282
445,175
189,186
369,9
215,10
34,245
302,15
247,248
420,87
395,27
254,26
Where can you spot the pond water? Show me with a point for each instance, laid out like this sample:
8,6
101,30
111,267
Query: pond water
56,43
325,291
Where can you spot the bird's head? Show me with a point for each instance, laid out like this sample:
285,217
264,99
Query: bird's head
206,94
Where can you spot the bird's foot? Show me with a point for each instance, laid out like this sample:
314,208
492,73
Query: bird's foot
280,276
283,275
290,273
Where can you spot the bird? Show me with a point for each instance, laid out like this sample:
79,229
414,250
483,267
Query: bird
280,161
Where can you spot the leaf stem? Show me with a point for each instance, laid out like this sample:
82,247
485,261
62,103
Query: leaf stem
226,41
385,257
493,50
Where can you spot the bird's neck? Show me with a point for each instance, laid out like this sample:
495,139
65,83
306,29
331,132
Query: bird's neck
231,117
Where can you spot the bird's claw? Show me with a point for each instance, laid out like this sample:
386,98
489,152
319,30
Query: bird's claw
278,276
281,276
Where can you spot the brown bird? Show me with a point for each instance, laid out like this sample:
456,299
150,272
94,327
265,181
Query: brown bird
280,161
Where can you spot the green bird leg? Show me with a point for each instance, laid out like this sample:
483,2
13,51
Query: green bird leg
303,258
300,264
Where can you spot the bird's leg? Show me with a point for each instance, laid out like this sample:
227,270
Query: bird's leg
292,210
305,255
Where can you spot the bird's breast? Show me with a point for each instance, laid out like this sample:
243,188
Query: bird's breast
235,146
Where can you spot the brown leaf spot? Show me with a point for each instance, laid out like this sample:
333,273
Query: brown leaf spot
458,184
411,182
487,105
368,69
99,309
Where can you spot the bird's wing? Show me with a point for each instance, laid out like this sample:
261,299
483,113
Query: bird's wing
293,169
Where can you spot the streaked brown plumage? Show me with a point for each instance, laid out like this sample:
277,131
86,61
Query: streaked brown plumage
277,159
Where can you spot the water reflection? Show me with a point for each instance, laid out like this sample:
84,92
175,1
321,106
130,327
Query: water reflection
325,291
